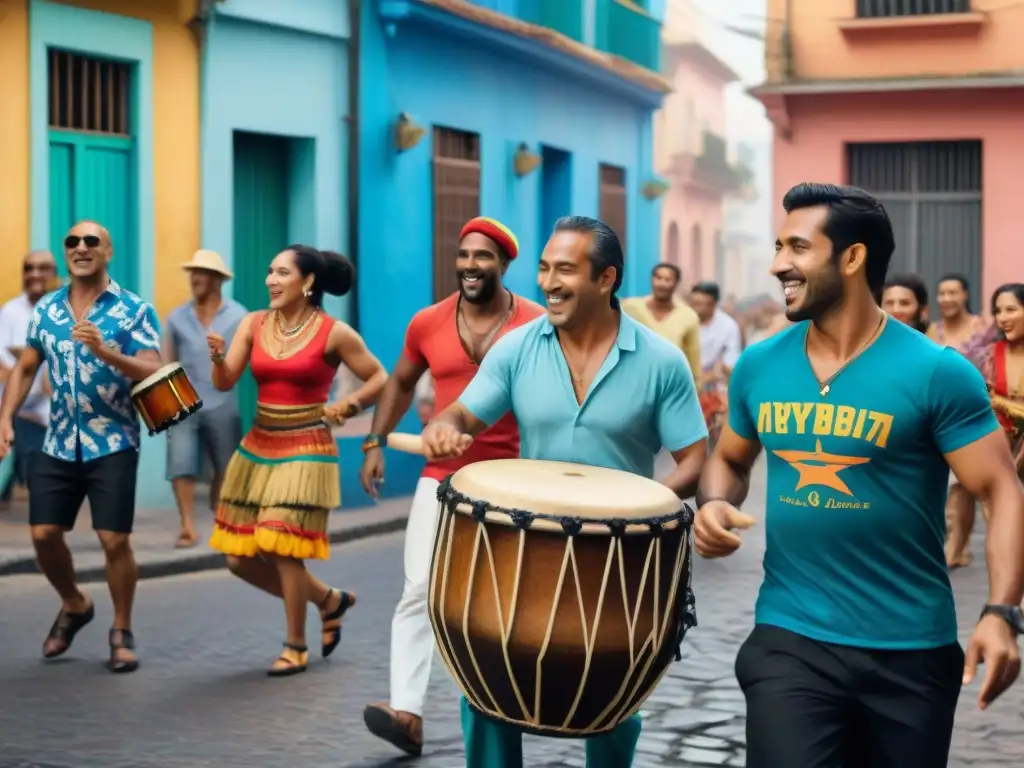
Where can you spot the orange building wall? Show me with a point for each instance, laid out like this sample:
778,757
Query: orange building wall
14,144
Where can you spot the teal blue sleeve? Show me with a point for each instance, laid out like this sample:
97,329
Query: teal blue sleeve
144,332
489,395
32,337
680,420
958,403
740,420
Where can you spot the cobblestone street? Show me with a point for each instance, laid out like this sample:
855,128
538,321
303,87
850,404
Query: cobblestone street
201,697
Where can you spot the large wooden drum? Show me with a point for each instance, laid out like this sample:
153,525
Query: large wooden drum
559,593
165,398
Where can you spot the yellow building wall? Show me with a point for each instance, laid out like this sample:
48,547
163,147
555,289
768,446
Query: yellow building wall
176,140
14,144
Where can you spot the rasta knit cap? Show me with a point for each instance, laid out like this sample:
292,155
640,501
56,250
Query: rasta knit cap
495,230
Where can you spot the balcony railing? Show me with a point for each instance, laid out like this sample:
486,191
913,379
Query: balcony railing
625,29
565,16
713,167
884,9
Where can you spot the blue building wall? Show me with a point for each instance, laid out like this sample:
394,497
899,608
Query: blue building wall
449,72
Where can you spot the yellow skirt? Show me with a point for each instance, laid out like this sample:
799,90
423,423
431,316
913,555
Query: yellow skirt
280,487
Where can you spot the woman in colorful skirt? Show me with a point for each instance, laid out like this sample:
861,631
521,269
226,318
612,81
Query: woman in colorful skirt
283,480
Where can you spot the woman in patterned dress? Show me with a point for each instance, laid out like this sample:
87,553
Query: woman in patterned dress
283,480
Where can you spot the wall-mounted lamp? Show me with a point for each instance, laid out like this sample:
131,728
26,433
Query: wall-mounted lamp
654,189
525,162
408,133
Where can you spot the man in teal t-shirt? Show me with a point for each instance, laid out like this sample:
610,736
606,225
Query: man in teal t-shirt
854,660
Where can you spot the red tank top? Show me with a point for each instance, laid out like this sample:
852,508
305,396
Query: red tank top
305,378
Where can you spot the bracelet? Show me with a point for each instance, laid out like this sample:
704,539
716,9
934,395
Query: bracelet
218,359
374,441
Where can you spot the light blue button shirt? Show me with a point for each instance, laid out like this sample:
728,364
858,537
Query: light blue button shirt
188,335
642,399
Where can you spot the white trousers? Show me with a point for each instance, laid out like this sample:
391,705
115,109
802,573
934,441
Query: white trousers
412,639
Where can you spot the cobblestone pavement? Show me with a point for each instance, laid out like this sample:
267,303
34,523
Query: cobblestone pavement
201,699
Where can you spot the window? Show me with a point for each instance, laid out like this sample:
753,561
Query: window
456,200
880,9
612,200
88,94
933,194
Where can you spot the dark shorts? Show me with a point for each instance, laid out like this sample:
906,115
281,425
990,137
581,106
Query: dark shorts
28,443
58,489
817,705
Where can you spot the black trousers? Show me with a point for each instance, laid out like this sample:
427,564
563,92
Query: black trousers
817,705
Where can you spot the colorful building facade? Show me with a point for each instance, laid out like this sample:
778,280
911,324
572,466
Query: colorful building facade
918,103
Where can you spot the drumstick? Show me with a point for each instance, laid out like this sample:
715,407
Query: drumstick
405,442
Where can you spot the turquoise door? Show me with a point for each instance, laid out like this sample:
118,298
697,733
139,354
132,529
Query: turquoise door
91,177
260,228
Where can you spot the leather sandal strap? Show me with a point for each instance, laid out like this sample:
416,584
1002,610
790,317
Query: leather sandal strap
127,639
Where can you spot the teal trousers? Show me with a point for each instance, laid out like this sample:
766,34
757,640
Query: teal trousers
490,744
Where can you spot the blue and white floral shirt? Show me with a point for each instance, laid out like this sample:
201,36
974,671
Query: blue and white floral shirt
91,406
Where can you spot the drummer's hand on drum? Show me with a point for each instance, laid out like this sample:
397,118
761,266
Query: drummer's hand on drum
218,347
443,441
712,530
6,437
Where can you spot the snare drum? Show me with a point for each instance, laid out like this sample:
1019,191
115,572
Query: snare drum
165,398
559,592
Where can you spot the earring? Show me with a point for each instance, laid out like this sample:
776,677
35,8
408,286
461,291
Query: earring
307,293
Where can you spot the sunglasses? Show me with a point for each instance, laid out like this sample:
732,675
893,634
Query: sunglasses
72,241
45,268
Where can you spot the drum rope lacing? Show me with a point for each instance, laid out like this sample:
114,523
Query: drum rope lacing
522,519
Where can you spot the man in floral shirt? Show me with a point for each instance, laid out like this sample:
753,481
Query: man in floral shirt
96,339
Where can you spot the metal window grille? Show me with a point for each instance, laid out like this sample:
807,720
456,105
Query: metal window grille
612,199
878,9
933,194
456,200
88,94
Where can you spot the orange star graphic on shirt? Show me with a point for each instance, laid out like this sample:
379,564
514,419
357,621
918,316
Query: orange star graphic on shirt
820,468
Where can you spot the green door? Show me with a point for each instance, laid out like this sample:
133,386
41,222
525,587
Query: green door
260,228
91,178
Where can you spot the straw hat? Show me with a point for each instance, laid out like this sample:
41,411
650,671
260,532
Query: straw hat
210,261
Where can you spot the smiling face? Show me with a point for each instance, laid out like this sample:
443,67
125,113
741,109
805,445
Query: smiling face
479,267
1009,317
285,282
564,275
902,305
951,298
87,250
812,284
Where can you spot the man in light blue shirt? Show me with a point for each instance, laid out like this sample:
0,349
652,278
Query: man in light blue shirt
587,384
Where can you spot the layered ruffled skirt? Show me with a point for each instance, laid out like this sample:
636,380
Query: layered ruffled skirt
279,487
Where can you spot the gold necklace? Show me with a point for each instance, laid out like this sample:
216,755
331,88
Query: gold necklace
826,386
295,330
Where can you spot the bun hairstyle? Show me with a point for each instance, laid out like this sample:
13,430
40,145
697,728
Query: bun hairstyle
332,272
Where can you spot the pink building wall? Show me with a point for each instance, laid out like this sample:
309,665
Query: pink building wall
691,216
821,125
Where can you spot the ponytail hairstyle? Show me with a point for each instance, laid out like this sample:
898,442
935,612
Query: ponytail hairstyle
332,273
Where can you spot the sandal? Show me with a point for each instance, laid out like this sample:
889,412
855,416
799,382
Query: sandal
332,620
290,664
121,640
64,629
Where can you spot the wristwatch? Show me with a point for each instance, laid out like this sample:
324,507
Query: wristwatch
1011,614
374,441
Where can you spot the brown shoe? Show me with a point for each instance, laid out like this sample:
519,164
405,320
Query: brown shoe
400,729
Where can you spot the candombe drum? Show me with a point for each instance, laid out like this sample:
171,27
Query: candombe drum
165,398
559,592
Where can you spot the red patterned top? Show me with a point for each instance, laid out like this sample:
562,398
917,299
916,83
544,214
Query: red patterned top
304,378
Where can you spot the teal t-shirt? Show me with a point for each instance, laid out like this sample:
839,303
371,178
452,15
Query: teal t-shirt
857,483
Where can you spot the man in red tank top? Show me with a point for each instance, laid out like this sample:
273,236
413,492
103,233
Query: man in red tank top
448,339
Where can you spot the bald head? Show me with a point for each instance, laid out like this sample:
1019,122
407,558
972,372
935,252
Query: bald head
87,251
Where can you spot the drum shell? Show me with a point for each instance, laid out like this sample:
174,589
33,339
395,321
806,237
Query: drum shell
611,690
167,402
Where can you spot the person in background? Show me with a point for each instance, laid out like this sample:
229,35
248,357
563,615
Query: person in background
720,346
957,326
671,319
905,298
39,276
217,428
956,329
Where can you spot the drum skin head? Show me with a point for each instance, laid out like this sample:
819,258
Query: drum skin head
563,488
163,373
